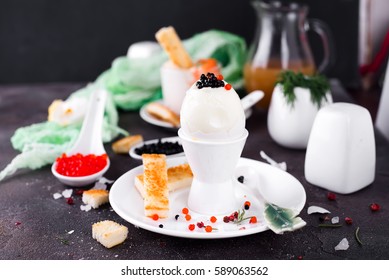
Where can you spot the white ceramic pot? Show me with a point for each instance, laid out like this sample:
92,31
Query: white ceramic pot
290,125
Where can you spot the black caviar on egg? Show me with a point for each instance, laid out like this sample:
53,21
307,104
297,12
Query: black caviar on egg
241,179
167,148
209,80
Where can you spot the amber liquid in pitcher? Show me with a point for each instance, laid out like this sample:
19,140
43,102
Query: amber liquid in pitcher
265,78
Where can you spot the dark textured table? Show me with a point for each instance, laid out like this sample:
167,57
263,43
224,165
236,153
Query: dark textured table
33,225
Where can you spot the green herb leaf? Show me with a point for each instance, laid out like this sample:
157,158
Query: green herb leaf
241,217
64,241
330,225
357,236
317,84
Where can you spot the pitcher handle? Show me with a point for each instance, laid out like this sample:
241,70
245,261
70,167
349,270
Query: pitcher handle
324,32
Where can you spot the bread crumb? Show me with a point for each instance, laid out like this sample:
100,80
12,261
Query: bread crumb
95,197
109,233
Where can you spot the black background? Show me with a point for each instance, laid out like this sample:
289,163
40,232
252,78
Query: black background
55,41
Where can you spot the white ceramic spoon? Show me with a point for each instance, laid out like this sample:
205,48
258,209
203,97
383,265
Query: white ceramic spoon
250,99
89,140
280,165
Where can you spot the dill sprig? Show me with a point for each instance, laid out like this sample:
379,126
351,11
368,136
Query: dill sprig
317,84
241,217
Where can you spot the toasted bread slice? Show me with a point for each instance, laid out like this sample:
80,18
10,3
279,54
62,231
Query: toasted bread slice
163,113
139,185
123,146
95,197
156,193
178,177
171,43
109,233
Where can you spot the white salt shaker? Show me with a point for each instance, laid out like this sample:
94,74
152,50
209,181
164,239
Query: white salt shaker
341,155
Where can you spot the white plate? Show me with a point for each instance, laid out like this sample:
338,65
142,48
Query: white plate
261,181
168,139
153,120
157,122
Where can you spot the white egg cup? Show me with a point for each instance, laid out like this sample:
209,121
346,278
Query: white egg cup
175,82
290,125
341,154
213,164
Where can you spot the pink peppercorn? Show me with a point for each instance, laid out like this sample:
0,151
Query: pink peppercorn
348,220
70,201
375,207
331,196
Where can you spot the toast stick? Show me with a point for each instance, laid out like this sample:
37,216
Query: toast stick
171,43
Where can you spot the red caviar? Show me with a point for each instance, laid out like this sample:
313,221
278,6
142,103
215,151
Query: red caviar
188,217
185,210
79,165
155,217
191,227
207,62
213,219
246,205
227,86
208,228
204,66
253,220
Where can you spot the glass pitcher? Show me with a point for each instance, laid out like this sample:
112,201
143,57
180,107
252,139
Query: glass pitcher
280,43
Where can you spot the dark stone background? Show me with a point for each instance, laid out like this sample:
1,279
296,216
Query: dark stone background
59,41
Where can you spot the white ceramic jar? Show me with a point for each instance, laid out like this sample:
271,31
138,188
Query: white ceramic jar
290,124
